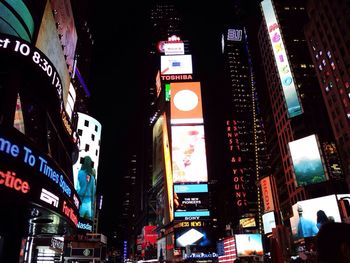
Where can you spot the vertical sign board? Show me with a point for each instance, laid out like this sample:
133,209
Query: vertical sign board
291,96
189,163
267,196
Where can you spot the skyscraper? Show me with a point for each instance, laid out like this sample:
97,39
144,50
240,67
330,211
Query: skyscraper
296,104
247,160
328,42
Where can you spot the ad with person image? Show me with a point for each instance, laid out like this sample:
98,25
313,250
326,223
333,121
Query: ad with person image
309,215
86,188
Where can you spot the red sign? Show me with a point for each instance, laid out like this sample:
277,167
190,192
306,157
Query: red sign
10,180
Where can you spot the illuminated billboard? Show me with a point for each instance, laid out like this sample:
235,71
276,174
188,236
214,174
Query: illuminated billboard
307,162
173,65
247,222
248,245
49,43
188,154
309,215
267,194
28,175
158,156
174,48
86,167
168,169
269,222
190,201
193,236
66,28
16,20
186,103
291,95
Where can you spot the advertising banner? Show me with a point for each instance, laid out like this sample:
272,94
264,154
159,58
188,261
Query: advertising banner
291,95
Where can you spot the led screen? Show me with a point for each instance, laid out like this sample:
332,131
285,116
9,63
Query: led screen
307,162
158,156
199,236
186,103
247,222
86,167
16,20
174,48
168,170
49,43
172,65
284,70
65,19
269,222
190,201
188,154
309,215
249,245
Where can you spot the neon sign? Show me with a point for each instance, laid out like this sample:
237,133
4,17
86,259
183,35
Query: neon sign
26,155
9,180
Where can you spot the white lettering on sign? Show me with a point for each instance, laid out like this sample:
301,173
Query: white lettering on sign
49,197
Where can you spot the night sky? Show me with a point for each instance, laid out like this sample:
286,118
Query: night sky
119,72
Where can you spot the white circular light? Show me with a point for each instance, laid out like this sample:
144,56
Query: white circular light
186,100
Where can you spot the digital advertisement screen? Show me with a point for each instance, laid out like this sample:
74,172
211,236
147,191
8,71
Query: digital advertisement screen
190,201
193,236
16,20
309,215
269,222
64,17
306,157
174,48
85,170
158,155
168,171
247,222
179,64
49,43
291,95
28,175
188,154
186,103
249,245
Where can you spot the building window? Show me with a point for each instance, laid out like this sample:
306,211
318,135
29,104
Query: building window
87,147
80,132
86,123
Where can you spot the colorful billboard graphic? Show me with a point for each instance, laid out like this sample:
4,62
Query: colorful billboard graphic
186,103
249,245
227,250
307,162
173,65
16,20
247,222
49,43
188,154
291,95
168,169
66,28
28,175
309,215
86,167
